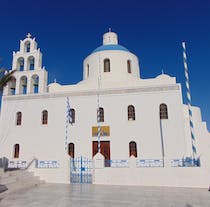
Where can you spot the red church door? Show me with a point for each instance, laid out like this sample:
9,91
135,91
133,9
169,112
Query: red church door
105,150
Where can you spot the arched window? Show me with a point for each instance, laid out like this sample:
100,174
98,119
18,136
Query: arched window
31,63
12,86
71,149
35,84
106,65
44,117
129,66
16,150
133,149
131,113
87,70
23,85
18,118
100,115
163,111
20,64
72,115
27,46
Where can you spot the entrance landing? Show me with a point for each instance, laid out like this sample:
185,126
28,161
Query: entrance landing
75,195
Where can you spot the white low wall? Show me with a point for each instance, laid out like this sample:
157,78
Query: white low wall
198,177
54,175
174,177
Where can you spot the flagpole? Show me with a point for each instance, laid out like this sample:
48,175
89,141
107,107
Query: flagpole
187,83
68,120
98,107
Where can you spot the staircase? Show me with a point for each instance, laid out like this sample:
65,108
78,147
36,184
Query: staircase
16,180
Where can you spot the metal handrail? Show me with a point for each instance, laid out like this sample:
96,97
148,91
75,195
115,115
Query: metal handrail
30,163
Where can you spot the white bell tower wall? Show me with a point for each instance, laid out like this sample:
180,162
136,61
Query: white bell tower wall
30,77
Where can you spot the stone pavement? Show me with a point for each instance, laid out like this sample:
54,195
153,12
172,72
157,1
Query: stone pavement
61,195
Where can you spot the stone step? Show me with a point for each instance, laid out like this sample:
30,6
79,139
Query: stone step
15,173
7,180
22,184
13,187
9,174
19,179
12,179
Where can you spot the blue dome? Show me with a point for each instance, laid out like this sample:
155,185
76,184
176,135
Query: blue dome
110,47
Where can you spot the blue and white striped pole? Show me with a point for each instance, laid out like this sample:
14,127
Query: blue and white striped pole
98,107
68,120
99,126
194,154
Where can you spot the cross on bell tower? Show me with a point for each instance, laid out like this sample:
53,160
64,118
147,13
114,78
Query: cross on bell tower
28,35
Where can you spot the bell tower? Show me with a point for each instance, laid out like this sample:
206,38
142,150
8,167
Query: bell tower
30,77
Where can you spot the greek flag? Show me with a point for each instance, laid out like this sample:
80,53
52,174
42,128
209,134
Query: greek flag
69,112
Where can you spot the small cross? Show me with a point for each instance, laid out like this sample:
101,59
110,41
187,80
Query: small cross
54,80
28,35
110,29
162,71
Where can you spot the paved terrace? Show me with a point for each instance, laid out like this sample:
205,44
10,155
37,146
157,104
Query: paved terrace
61,195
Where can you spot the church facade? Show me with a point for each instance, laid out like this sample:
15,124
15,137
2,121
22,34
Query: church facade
128,127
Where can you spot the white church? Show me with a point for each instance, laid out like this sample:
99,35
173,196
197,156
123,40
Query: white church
113,127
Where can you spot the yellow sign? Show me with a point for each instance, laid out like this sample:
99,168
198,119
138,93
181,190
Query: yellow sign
105,131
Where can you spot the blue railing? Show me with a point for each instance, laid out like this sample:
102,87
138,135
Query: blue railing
17,164
47,164
117,163
185,162
124,163
149,163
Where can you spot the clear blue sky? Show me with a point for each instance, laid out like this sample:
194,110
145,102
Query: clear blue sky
67,31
